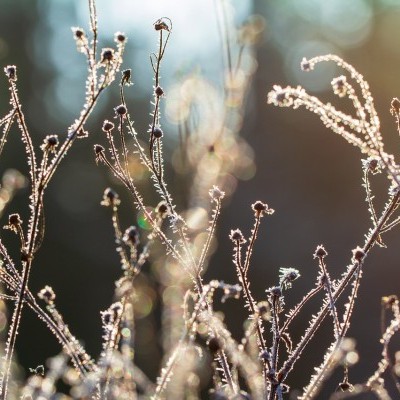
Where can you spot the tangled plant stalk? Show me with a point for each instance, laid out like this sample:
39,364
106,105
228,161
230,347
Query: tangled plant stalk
259,364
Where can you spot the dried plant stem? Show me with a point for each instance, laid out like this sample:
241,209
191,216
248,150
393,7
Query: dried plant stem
251,305
71,138
37,193
328,288
293,313
25,134
211,232
343,283
10,119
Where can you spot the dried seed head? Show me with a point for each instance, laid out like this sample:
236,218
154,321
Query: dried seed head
107,55
120,110
275,291
14,222
287,276
395,106
260,209
161,24
159,91
110,198
108,126
157,132
320,252
280,97
358,254
11,72
388,301
82,133
98,149
47,294
79,33
373,165
126,77
346,386
339,86
236,236
14,219
50,143
131,236
162,209
214,345
216,193
107,317
305,65
120,37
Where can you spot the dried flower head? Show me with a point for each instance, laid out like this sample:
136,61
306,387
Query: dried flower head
126,77
47,294
287,276
107,317
339,86
275,291
80,39
216,193
14,222
108,126
107,55
214,345
159,91
161,24
279,97
305,65
236,236
79,33
358,254
11,72
120,37
50,143
157,132
260,209
131,236
346,386
82,133
120,110
110,198
373,165
395,106
98,151
162,209
320,252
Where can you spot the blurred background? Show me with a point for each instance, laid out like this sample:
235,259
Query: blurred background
311,177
